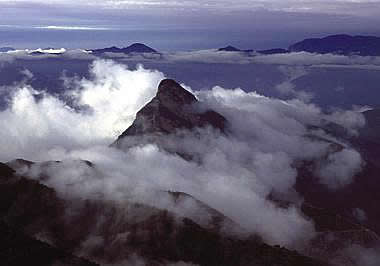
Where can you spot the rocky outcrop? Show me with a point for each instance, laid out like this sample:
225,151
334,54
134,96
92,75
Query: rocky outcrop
172,109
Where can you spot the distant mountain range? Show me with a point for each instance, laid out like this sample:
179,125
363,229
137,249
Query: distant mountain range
340,44
269,51
335,44
134,48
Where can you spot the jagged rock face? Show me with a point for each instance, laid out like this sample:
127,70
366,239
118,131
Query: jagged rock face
172,109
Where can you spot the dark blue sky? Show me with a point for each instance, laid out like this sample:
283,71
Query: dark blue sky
202,24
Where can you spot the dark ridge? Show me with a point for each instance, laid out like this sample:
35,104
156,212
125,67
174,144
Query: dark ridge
340,44
37,53
18,163
158,236
18,249
26,207
6,172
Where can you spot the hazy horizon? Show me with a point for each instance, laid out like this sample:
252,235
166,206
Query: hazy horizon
181,25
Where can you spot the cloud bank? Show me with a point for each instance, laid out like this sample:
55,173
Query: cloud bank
70,28
211,56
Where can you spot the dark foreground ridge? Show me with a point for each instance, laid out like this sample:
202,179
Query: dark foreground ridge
158,236
23,202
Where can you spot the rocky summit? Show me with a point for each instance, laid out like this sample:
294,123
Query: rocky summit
173,108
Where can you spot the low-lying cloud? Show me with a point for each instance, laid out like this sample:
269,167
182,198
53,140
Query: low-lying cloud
287,87
211,56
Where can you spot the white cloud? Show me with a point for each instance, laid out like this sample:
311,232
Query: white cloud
294,59
114,95
287,87
310,59
293,65
340,167
70,28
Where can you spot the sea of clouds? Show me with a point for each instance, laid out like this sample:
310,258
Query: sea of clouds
234,173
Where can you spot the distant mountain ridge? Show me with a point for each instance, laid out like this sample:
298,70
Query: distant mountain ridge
230,48
134,48
340,44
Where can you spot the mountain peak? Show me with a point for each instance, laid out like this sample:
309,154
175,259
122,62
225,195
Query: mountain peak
229,48
170,92
133,48
173,108
340,44
138,48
